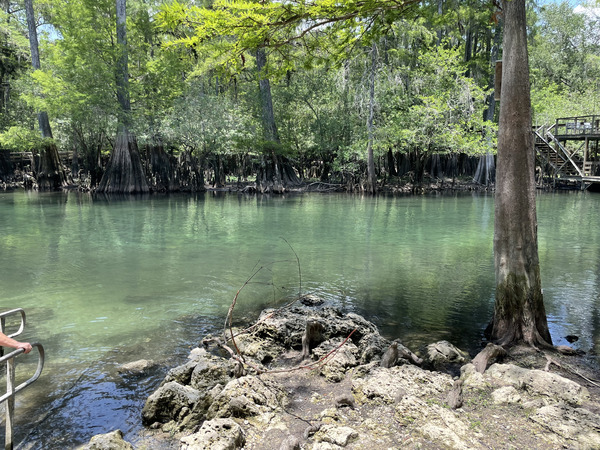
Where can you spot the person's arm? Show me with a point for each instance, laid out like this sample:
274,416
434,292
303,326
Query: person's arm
6,341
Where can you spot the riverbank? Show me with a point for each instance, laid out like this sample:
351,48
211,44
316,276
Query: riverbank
398,185
358,390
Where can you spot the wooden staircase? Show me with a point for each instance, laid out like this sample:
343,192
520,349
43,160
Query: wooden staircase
552,153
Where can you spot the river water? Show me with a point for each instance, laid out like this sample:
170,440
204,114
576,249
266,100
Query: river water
109,281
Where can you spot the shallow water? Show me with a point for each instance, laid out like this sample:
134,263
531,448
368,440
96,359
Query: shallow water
108,281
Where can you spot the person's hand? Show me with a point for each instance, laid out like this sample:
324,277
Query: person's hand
26,346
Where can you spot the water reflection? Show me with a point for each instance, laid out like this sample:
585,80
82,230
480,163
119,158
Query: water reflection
109,280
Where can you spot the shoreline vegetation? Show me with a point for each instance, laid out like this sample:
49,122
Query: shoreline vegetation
437,173
309,376
403,185
178,179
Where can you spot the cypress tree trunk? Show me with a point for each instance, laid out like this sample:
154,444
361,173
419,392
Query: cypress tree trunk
160,166
124,172
486,169
266,100
275,171
371,175
50,173
519,314
271,172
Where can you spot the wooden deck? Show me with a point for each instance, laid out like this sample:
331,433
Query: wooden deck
569,150
577,128
26,158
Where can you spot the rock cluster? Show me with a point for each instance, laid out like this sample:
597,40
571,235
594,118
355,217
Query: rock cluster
351,396
206,387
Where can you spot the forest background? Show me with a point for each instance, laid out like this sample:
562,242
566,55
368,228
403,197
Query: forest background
413,89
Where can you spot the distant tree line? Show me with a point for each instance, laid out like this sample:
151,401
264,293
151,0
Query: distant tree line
147,95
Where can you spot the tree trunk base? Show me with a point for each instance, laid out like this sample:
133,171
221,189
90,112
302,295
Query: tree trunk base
51,174
124,173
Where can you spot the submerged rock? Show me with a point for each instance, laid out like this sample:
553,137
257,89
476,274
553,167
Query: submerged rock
137,368
109,441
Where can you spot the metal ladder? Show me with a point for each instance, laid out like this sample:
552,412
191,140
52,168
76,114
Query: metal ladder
11,390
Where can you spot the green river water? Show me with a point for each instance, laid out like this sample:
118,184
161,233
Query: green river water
108,281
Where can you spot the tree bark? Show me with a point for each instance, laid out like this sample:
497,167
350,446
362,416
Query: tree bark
50,173
266,100
160,166
519,313
278,171
371,176
486,169
271,172
124,172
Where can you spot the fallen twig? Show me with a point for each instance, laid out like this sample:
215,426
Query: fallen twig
568,369
299,271
235,352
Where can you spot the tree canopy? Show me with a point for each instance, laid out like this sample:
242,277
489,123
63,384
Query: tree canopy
194,85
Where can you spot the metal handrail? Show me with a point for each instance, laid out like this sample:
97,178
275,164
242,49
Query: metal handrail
10,313
11,390
35,376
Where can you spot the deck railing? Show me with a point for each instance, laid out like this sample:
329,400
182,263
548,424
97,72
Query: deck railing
10,359
577,126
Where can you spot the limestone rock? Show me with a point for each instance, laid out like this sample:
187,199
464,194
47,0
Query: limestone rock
311,300
287,326
341,436
246,396
437,424
109,441
506,395
258,348
325,446
343,358
211,370
443,352
388,385
577,424
290,443
538,382
471,378
216,434
167,402
192,419
181,374
371,347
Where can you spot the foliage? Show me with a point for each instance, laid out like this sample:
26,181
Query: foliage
193,78
565,63
444,112
20,139
208,123
233,27
14,51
